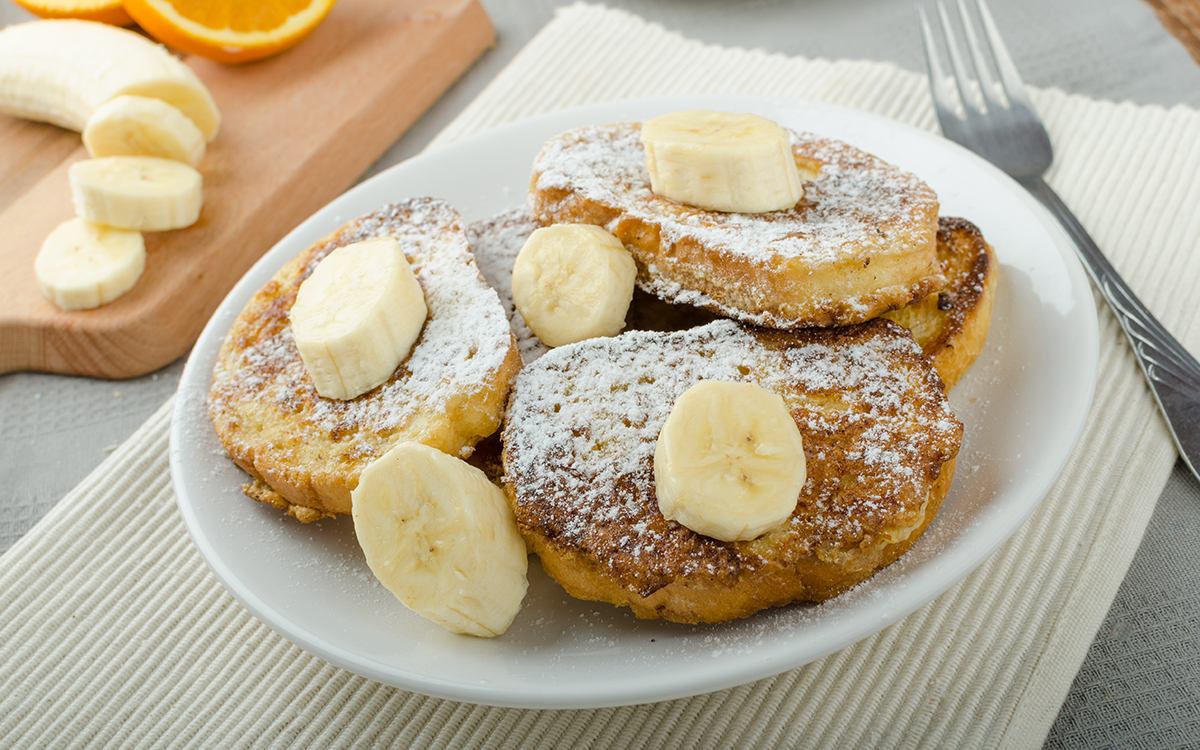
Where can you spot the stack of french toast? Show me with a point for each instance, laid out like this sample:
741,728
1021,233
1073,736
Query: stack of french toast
703,372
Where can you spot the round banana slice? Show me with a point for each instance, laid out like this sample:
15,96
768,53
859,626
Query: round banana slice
719,161
442,539
573,282
357,317
142,126
136,192
729,462
82,266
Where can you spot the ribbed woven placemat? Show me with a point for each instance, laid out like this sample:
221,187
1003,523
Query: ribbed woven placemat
114,633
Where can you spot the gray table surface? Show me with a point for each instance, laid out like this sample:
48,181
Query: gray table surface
1140,684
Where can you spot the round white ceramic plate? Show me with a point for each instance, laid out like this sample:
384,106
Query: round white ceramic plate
1023,404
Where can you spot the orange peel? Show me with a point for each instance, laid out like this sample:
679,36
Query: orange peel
105,11
229,31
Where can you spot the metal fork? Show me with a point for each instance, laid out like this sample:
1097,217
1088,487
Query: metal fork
997,120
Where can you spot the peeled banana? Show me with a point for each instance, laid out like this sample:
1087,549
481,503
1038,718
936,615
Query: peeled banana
144,193
442,539
573,282
357,317
141,126
82,266
729,462
61,71
720,161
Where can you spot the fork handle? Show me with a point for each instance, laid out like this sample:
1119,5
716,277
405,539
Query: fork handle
1172,372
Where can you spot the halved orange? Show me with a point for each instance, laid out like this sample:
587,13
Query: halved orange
229,31
104,11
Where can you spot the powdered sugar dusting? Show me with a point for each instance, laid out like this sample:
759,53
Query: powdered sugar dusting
463,344
496,243
583,421
850,205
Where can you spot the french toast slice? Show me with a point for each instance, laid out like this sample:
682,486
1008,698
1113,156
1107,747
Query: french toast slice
303,452
860,242
951,325
496,243
880,443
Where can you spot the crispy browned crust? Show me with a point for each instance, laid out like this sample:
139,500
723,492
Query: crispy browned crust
303,452
952,325
259,490
712,598
800,272
879,449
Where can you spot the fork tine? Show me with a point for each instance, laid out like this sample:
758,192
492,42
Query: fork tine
1014,89
943,95
962,76
987,83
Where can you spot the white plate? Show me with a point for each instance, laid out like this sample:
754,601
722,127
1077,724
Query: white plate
1023,403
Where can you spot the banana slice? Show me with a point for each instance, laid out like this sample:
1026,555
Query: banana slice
357,317
136,192
82,266
60,71
729,462
141,126
442,538
721,161
573,282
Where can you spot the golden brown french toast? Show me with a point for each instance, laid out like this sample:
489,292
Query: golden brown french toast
951,325
860,242
580,431
303,452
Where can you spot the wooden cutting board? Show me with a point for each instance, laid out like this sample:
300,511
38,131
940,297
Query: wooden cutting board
298,129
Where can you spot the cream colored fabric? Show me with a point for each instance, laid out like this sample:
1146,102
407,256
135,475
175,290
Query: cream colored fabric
113,632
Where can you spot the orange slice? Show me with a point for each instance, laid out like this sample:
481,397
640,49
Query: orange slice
104,11
229,31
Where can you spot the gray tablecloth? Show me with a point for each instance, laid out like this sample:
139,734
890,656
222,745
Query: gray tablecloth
1138,686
